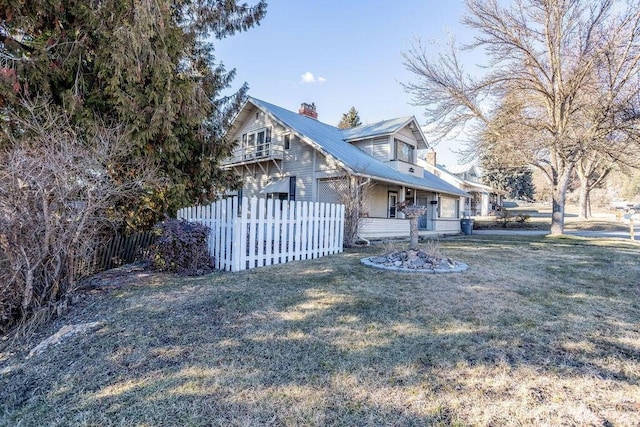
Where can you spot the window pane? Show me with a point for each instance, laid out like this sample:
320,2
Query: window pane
448,207
404,151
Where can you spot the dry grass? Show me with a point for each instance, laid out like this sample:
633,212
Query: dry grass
539,218
539,331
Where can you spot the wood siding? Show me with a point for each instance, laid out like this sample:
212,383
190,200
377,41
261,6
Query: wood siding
298,161
378,148
376,204
408,134
376,228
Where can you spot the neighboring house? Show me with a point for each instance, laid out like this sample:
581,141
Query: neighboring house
484,199
287,155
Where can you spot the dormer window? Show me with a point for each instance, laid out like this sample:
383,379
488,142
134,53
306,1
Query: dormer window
404,152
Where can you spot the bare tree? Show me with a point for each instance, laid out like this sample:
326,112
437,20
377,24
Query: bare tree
57,194
592,171
352,191
571,65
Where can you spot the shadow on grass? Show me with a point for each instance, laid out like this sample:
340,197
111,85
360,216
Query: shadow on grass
330,342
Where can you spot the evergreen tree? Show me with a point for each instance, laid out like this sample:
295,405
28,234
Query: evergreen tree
350,119
515,181
147,66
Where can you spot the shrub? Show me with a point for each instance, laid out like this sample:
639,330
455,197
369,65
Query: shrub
57,195
432,249
522,218
503,217
181,247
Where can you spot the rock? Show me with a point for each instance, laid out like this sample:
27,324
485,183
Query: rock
64,332
379,259
412,256
417,262
397,263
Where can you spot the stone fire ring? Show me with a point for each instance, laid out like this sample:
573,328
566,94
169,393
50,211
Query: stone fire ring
459,267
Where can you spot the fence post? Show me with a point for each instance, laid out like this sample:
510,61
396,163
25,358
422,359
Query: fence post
341,228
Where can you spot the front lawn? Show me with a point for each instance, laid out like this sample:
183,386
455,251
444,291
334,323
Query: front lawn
538,331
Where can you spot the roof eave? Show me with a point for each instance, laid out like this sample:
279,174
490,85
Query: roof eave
406,184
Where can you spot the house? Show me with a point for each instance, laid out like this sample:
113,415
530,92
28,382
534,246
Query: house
484,199
287,155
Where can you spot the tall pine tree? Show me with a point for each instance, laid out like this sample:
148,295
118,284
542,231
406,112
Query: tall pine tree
350,119
147,66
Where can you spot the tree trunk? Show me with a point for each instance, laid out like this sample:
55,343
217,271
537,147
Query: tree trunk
559,197
414,234
584,204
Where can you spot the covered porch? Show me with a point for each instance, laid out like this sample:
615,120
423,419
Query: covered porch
387,228
483,201
381,219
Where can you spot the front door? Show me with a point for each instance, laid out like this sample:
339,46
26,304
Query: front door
423,221
393,201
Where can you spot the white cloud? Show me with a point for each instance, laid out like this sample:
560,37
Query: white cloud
308,77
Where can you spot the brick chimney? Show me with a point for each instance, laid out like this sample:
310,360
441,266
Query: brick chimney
308,110
430,157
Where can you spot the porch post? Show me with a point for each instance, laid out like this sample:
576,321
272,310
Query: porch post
484,210
401,198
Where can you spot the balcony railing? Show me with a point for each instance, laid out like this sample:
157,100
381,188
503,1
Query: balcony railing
256,153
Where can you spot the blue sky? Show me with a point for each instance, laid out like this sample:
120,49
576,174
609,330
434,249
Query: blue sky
340,54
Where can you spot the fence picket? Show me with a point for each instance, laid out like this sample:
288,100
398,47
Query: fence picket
290,230
233,263
269,232
277,231
262,218
296,237
304,230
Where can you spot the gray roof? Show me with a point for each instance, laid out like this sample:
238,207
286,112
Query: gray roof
466,167
474,185
332,141
384,127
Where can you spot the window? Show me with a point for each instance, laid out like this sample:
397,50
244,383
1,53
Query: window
404,152
260,143
287,141
393,201
449,207
256,143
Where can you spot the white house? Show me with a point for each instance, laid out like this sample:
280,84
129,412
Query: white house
484,199
288,155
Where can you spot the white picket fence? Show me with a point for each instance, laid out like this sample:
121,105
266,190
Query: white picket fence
261,232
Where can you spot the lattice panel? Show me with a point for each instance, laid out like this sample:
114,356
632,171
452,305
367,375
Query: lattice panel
330,190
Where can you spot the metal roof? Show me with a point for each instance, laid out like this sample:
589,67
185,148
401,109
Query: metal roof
331,140
384,127
473,185
466,167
